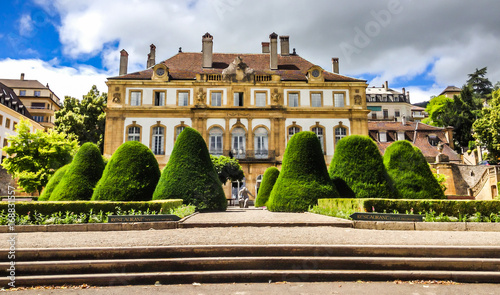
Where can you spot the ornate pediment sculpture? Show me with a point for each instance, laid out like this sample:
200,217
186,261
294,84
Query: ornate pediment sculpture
238,71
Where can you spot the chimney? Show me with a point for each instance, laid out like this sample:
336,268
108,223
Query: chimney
335,65
151,56
386,85
408,96
285,45
207,48
22,76
265,47
123,62
274,51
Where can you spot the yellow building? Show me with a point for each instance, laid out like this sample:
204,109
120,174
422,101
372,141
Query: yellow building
41,102
245,105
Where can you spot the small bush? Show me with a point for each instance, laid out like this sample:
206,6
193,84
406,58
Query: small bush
53,182
82,175
266,186
130,175
191,176
358,170
411,173
303,178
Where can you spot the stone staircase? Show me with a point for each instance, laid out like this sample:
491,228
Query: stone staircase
250,263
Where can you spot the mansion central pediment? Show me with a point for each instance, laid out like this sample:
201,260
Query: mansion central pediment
238,71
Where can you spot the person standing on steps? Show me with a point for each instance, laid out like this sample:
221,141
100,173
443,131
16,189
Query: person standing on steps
243,197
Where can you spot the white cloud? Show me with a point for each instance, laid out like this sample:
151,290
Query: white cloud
64,81
25,25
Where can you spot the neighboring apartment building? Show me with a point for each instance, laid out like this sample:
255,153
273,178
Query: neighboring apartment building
388,104
41,102
244,105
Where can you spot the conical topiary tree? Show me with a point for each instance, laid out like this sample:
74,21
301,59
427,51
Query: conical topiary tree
53,182
357,168
412,175
82,175
266,186
190,175
130,175
303,178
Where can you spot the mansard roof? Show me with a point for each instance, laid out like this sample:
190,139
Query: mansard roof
9,98
185,66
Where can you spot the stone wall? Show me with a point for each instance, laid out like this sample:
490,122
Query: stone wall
5,181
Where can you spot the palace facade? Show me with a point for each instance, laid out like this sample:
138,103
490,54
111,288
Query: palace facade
245,106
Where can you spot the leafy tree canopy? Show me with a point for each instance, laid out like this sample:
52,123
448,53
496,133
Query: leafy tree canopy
85,119
437,108
34,156
481,86
227,169
487,127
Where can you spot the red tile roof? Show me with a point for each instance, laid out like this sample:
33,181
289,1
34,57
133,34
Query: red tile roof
185,66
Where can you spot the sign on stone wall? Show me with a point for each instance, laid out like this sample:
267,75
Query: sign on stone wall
386,217
142,218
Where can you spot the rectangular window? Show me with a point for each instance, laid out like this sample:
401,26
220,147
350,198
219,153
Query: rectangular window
14,126
260,99
183,98
238,99
386,114
216,145
22,92
7,123
37,93
38,105
338,100
159,98
397,114
383,136
293,100
216,99
134,133
316,100
401,135
135,98
38,118
374,116
1,120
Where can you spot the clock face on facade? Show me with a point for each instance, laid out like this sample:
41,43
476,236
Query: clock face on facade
315,73
160,71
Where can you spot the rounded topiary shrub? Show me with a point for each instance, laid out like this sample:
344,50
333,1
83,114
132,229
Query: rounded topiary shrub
53,182
82,175
190,175
268,180
410,171
303,178
357,169
130,175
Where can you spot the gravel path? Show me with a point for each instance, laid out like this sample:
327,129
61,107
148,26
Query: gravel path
315,235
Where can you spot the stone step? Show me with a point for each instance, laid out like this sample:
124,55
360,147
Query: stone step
240,276
252,263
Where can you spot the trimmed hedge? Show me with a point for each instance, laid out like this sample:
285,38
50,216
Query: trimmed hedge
357,169
411,173
77,207
190,175
82,175
268,180
303,178
131,174
53,182
455,208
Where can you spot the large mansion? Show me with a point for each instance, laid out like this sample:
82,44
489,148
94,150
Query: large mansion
246,106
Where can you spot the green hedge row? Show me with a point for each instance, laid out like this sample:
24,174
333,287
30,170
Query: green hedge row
455,208
48,208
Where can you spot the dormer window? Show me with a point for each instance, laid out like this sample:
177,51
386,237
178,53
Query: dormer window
433,140
382,136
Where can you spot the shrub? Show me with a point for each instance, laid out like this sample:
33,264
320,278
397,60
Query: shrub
130,175
303,178
53,182
82,175
357,169
268,180
190,175
411,173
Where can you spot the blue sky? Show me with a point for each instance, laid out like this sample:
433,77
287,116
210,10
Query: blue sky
423,46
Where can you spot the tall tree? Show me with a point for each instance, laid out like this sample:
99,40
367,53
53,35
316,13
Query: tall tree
487,127
480,84
34,156
438,109
85,119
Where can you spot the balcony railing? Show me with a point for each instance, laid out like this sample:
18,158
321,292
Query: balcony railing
246,155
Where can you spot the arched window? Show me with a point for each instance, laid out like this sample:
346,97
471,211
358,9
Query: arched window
340,132
158,143
134,133
320,134
292,130
215,141
261,143
238,143
178,130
